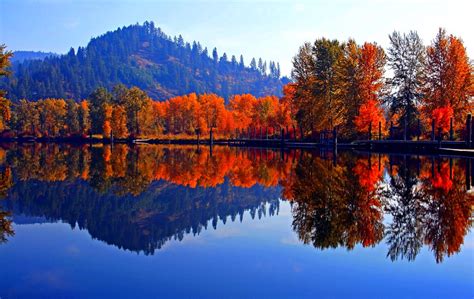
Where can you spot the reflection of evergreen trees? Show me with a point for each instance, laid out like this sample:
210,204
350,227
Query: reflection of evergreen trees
145,222
404,199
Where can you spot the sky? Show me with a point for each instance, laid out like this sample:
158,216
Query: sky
273,30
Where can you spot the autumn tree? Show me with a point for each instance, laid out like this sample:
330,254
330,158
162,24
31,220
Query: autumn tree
106,126
241,107
27,118
212,109
303,74
289,99
119,122
5,112
52,115
5,104
370,114
4,60
84,117
449,84
265,110
367,93
151,118
328,55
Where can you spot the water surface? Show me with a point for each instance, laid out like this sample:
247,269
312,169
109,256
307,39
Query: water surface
186,222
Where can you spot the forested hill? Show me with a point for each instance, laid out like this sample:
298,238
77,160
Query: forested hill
142,56
21,56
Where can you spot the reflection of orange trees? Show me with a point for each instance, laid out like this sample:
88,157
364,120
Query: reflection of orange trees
49,162
188,167
370,172
331,207
6,182
442,177
131,169
433,208
448,208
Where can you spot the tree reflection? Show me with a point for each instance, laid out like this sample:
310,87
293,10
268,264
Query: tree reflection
403,201
448,208
6,182
335,205
432,208
139,197
343,203
130,170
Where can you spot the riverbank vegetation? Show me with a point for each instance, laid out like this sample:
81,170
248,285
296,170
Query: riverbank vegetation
337,86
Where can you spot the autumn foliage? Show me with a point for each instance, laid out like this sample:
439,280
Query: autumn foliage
442,117
370,114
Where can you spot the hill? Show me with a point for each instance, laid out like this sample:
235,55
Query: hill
21,56
142,56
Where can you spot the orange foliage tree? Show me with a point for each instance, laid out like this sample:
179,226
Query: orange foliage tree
106,127
119,122
369,113
242,109
448,79
442,117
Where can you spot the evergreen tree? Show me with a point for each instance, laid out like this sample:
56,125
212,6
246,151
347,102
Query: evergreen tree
260,65
253,64
241,62
406,58
215,56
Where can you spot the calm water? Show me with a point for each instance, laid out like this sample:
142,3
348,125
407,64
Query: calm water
180,222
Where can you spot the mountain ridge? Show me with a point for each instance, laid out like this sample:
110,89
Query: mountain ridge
142,56
22,55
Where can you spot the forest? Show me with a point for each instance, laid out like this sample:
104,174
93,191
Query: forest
142,56
336,86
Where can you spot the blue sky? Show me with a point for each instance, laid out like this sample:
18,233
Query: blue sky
272,30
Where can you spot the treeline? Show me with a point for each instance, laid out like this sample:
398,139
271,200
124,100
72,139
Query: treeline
338,86
129,112
143,56
343,85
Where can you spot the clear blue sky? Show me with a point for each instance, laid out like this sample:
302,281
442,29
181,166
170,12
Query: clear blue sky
272,30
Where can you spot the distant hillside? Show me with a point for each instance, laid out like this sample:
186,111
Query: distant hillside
143,56
21,56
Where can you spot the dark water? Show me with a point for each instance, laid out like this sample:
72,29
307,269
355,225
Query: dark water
178,222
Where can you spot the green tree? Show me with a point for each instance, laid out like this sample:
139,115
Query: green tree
135,100
97,101
72,117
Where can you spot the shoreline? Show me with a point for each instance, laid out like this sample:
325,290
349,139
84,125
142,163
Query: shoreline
457,148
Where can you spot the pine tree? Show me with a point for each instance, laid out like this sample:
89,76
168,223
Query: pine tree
406,57
253,64
241,62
